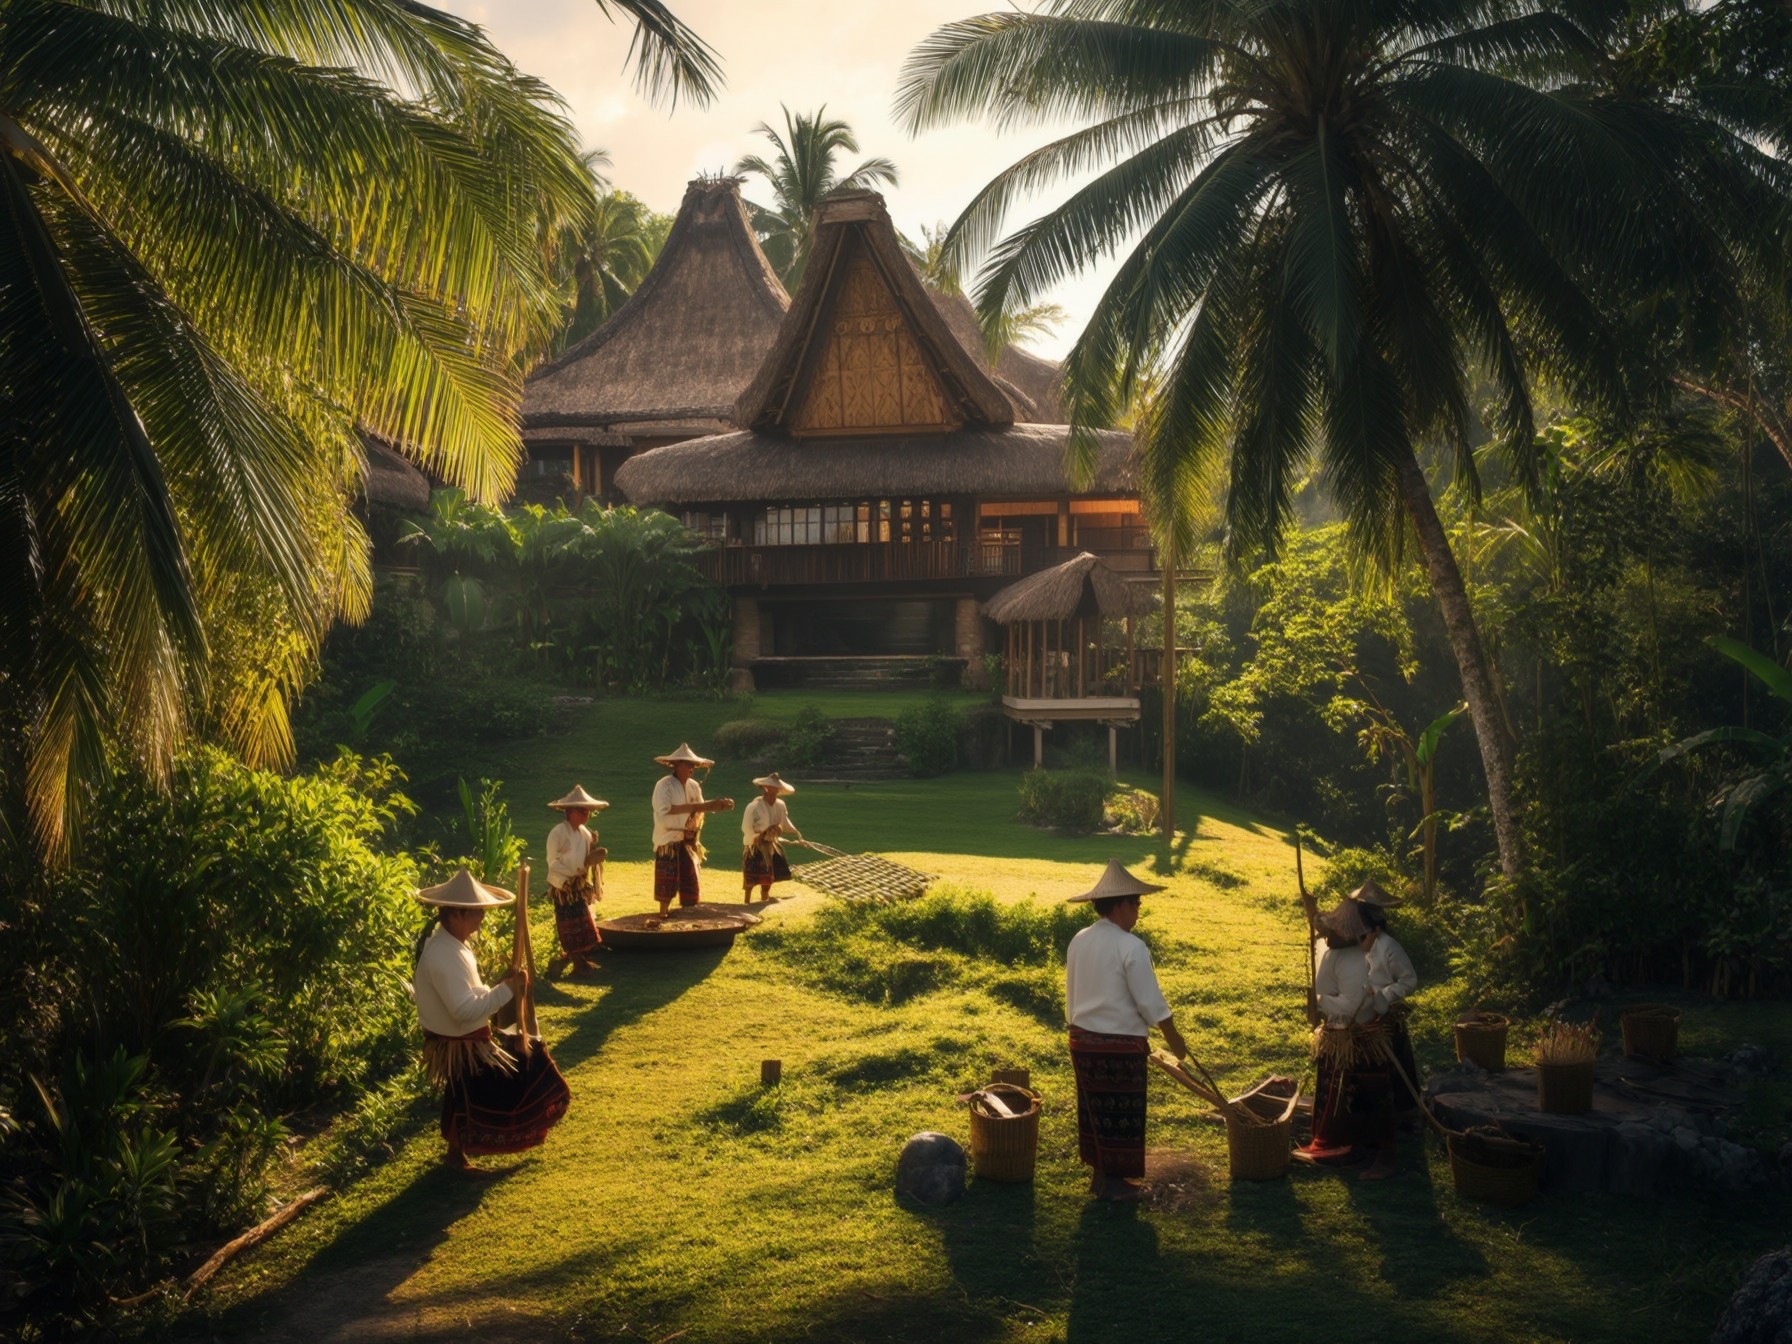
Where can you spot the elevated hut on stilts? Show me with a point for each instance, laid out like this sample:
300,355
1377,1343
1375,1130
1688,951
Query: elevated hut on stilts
1070,651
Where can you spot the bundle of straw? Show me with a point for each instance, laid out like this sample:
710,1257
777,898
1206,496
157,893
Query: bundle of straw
1350,1044
1568,1042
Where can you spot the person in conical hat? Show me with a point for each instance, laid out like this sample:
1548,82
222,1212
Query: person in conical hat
492,1102
678,811
1113,1002
1341,996
762,824
575,880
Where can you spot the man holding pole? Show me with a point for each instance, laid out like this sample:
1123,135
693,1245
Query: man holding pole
678,811
1113,1002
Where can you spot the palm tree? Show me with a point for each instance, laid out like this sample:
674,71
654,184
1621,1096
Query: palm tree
608,256
231,235
1341,215
801,173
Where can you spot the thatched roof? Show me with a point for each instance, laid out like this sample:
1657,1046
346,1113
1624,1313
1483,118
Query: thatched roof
686,342
1081,585
388,481
848,226
1031,383
1014,462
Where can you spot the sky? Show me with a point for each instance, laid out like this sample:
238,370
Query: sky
800,53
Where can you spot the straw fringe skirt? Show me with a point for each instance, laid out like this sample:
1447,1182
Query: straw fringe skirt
495,1098
573,924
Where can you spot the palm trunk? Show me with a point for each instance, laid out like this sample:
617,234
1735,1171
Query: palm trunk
1471,662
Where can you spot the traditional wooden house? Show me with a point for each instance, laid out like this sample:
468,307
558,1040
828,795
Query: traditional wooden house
885,478
671,362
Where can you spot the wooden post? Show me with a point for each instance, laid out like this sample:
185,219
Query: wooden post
1038,746
1113,750
770,1071
1132,658
1166,676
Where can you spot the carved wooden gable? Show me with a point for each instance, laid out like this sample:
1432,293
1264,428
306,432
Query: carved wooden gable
870,375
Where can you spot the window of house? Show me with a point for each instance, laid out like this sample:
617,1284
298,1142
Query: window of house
710,526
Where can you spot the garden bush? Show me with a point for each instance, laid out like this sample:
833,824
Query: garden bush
1135,811
983,737
220,953
807,740
927,737
745,739
1071,800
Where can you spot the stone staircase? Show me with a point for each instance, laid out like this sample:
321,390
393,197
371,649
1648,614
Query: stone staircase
863,750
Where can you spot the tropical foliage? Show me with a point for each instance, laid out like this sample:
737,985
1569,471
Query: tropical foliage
607,258
801,173
225,951
234,237
1359,235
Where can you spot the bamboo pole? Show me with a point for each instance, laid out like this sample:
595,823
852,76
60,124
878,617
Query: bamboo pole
1166,676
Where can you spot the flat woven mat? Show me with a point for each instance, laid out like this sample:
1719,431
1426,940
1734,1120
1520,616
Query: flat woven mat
863,877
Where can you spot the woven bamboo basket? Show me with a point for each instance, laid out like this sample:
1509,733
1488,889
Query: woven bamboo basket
1565,1089
1651,1031
1006,1148
1481,1040
1261,1151
1495,1169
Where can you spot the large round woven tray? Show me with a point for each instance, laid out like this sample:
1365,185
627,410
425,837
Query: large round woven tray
694,926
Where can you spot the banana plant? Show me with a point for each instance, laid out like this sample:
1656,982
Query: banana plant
1773,753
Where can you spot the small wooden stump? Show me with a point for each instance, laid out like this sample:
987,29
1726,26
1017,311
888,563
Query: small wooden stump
770,1071
1018,1077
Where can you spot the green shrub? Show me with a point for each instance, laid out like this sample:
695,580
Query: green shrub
745,739
1135,811
983,737
230,948
1071,800
927,737
807,741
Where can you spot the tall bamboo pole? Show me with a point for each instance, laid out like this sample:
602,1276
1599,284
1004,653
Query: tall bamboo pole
1166,676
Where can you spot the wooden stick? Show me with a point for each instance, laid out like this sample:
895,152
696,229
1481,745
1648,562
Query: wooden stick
522,959
260,1232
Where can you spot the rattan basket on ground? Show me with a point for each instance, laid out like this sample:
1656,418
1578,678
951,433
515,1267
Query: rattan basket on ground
1651,1031
1261,1151
1489,1166
1481,1040
1565,1089
1005,1148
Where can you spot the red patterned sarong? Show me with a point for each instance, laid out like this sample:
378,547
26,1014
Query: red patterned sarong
573,924
762,865
495,1110
675,874
1110,1101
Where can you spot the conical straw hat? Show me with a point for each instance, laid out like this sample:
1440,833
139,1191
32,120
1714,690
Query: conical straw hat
684,753
463,892
772,781
1370,893
1116,881
579,798
1345,921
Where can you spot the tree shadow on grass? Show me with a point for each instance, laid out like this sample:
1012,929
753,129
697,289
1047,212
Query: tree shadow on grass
635,984
990,1246
345,1290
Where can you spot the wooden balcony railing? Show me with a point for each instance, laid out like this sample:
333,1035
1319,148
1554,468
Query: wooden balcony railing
857,562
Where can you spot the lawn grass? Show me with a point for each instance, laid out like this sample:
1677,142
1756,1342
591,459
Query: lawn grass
680,1200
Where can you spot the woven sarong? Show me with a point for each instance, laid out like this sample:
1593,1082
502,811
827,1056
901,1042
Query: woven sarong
504,1110
762,865
1352,1105
1110,1101
573,924
675,874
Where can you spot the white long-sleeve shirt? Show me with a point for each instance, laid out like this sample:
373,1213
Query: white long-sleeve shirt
567,851
1341,983
667,794
1109,984
1391,976
451,998
760,815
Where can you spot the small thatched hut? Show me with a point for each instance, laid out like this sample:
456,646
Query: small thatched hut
1063,655
671,362
885,476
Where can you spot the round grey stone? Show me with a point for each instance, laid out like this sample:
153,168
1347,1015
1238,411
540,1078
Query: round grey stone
932,1169
1761,1310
